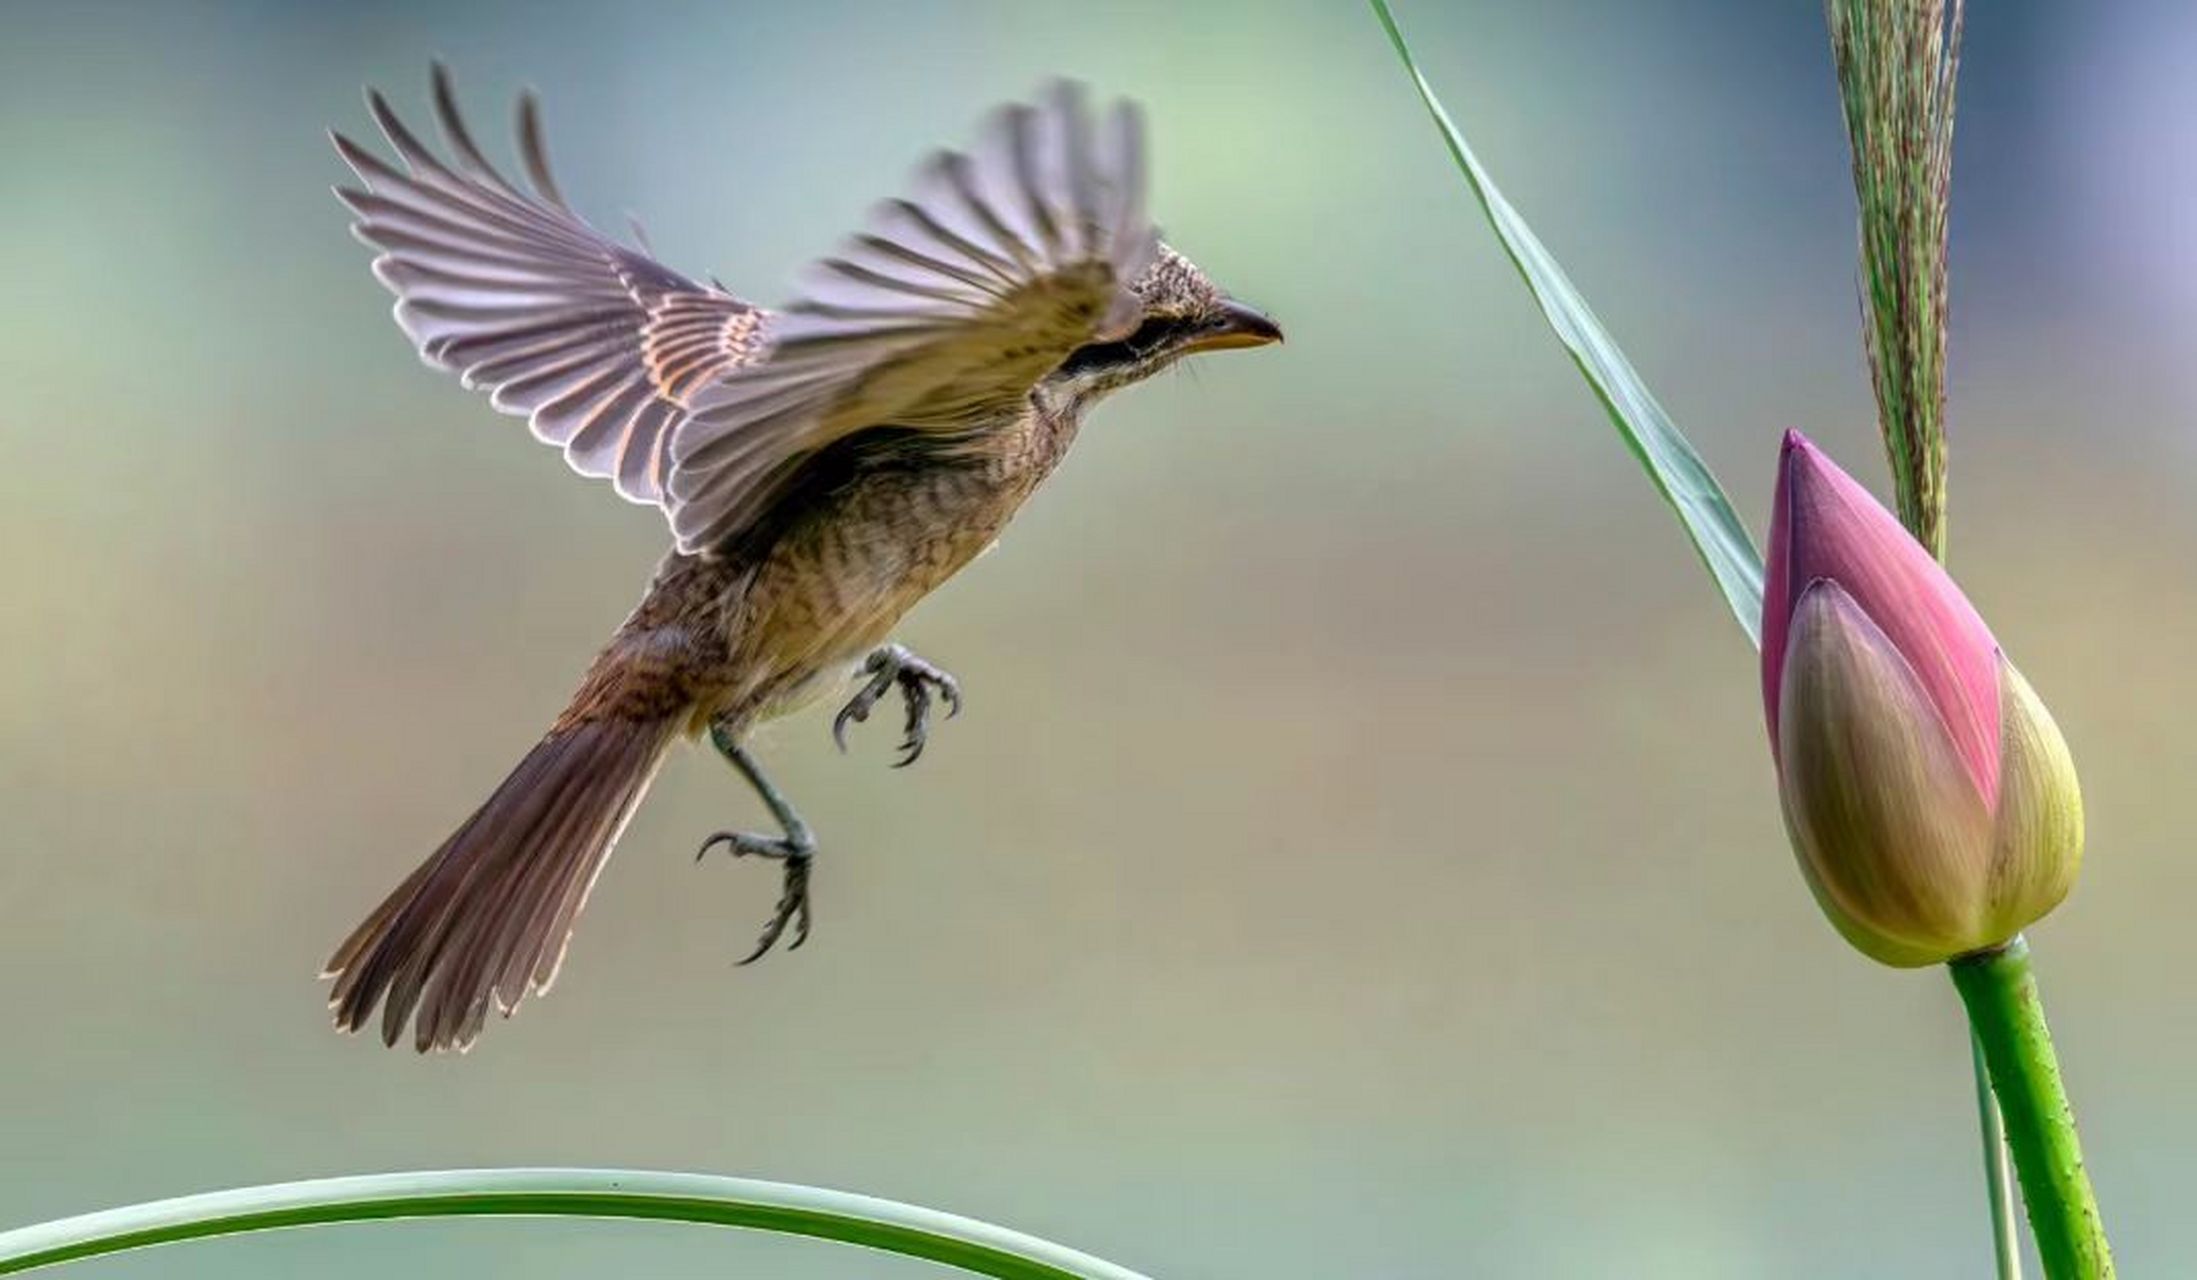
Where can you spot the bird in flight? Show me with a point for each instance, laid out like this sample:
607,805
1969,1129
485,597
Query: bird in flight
822,467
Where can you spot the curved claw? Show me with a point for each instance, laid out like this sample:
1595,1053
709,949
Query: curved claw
746,843
918,681
884,669
918,695
852,713
793,908
737,841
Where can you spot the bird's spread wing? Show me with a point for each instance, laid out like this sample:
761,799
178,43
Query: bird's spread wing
948,309
597,345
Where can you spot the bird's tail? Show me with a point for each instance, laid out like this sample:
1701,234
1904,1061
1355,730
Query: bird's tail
485,920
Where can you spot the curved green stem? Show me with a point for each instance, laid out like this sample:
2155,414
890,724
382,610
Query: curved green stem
2008,1017
1998,1180
587,1193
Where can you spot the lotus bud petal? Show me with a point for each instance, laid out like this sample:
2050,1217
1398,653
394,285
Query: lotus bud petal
1930,798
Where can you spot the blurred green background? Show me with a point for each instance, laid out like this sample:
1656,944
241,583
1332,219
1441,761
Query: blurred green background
1359,857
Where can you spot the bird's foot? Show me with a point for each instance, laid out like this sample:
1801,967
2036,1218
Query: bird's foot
798,853
892,666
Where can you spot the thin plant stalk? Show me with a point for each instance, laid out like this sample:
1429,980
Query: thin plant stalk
1998,1177
1898,62
883,1225
2000,991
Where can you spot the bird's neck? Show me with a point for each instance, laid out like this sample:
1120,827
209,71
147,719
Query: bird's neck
1070,396
1027,452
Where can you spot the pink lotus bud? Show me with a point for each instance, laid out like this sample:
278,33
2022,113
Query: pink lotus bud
1929,796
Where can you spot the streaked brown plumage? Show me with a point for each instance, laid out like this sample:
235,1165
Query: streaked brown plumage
822,467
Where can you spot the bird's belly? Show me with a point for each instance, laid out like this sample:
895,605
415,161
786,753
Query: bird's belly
832,681
837,587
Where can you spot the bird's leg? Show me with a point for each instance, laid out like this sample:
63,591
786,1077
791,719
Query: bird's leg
796,848
890,666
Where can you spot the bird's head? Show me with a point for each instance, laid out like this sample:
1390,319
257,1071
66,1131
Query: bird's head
1182,312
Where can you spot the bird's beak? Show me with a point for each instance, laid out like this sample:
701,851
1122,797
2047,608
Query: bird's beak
1236,325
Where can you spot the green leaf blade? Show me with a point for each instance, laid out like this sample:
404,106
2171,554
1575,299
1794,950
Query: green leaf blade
1719,537
884,1225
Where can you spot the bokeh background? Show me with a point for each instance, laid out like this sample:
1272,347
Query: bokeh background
1359,856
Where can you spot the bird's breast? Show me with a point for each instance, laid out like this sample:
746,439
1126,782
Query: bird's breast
837,584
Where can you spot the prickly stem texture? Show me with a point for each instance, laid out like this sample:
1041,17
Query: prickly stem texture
2008,1016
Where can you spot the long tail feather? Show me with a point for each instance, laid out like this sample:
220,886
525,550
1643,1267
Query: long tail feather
485,920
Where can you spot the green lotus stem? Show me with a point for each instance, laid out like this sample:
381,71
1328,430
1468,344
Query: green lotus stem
2008,1016
583,1193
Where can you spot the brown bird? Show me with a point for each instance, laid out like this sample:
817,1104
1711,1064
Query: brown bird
822,467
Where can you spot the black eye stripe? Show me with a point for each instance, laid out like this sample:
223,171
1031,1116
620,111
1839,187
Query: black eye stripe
1154,332
1149,337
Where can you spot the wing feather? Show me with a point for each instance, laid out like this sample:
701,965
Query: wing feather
596,344
946,310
